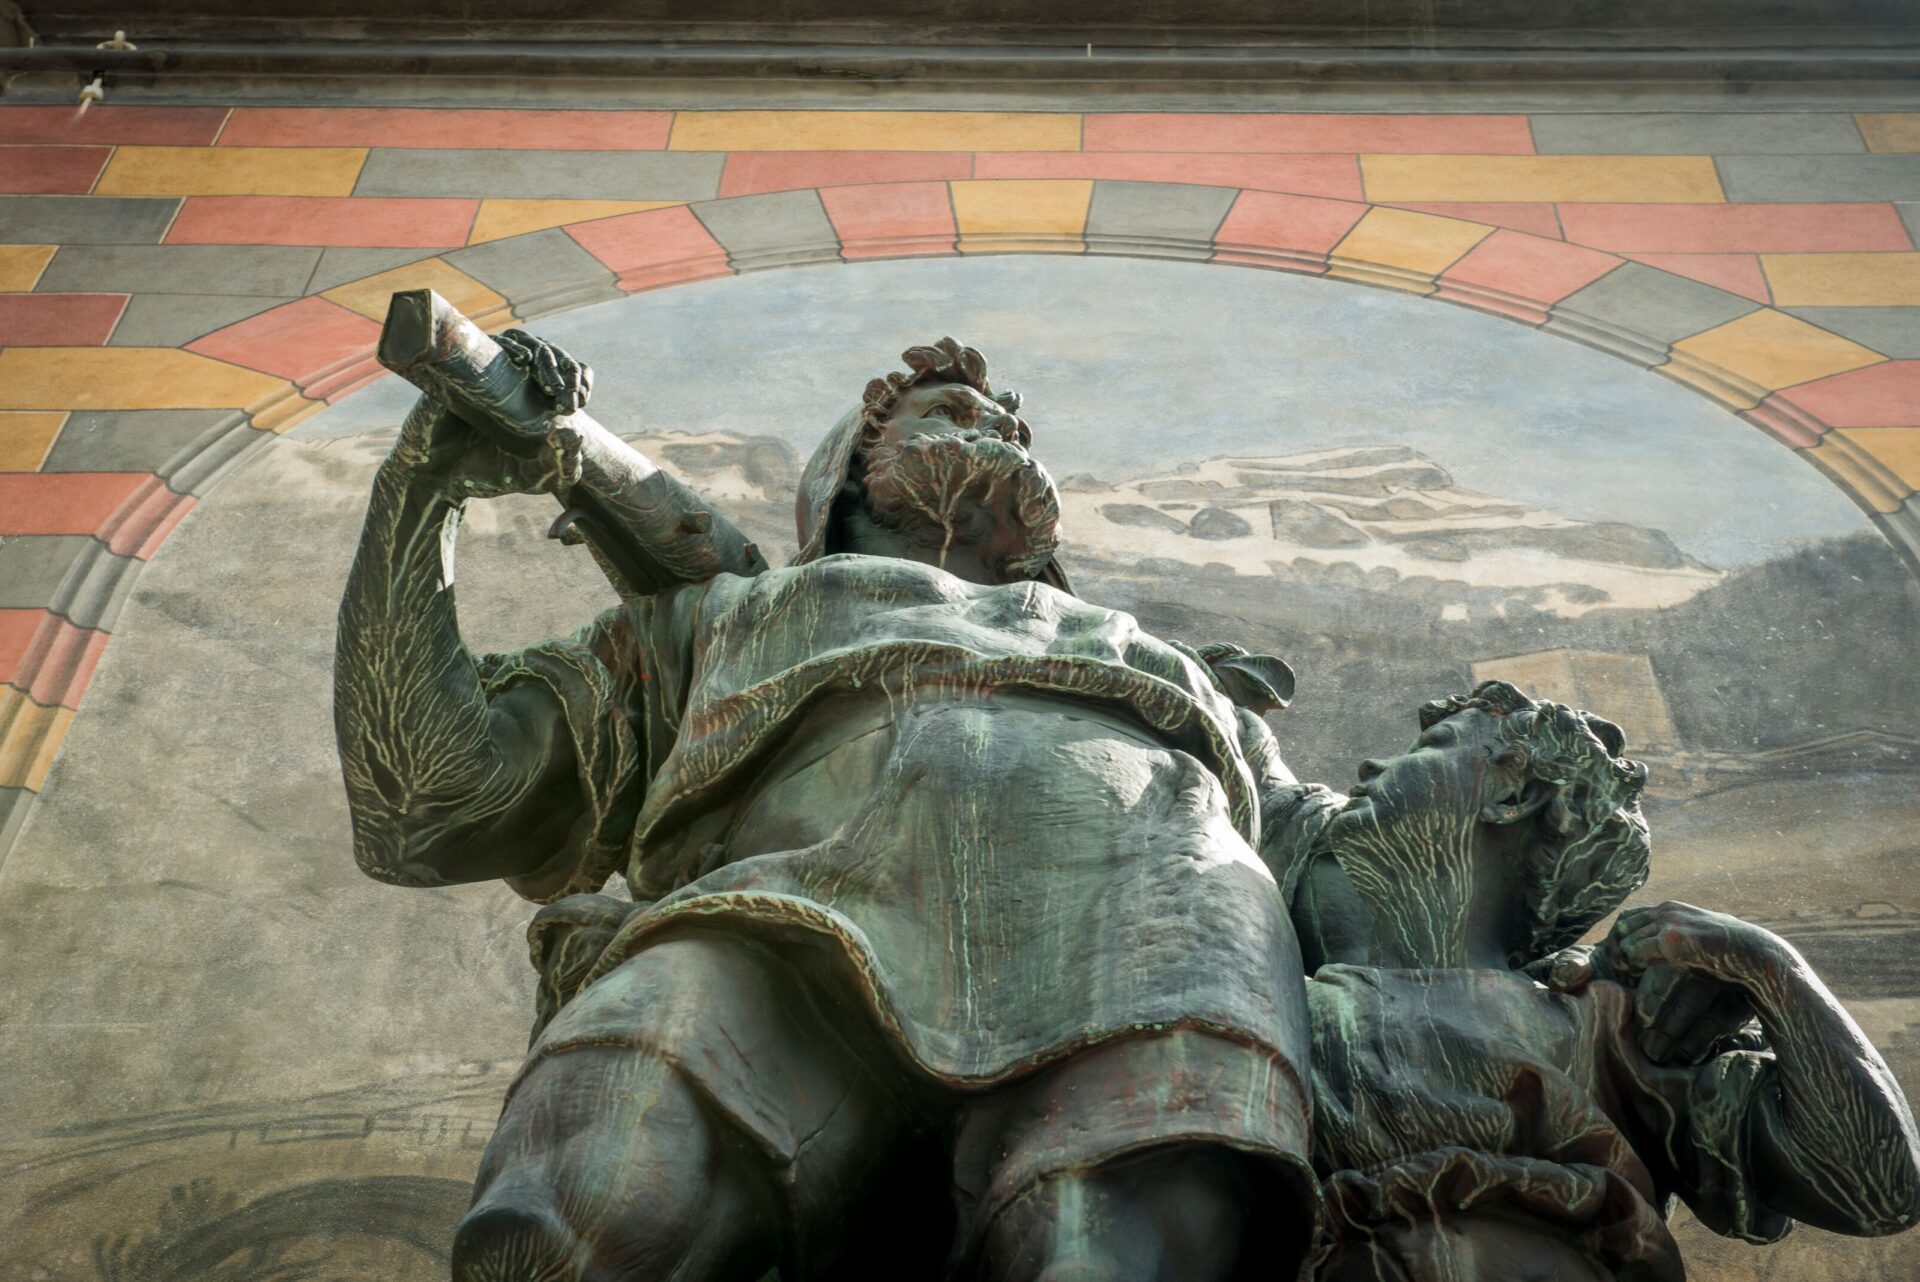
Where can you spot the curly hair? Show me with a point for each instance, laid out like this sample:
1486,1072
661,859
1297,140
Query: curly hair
1591,848
947,361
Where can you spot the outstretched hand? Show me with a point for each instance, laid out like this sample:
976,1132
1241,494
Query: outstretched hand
1687,968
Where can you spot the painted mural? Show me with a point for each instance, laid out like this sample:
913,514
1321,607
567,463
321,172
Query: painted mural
237,1073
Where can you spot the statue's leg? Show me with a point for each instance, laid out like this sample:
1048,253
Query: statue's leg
1175,1214
691,1115
1161,1157
606,1165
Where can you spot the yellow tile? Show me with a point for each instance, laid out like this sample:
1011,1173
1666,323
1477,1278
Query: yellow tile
370,295
499,219
1896,448
126,378
874,131
1398,238
1605,179
231,171
21,265
25,439
1770,350
1891,131
1843,280
286,412
30,738
1860,471
1022,214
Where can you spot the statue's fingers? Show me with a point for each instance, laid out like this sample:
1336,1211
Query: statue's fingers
1730,1011
1565,971
1685,1007
1651,993
546,368
583,385
518,345
1643,948
568,371
1631,919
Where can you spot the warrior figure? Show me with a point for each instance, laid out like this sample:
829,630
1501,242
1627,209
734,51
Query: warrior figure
957,949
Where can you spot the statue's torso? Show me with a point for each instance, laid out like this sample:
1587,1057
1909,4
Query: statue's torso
1439,1093
1027,821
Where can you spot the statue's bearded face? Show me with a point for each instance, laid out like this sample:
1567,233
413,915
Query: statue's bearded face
949,475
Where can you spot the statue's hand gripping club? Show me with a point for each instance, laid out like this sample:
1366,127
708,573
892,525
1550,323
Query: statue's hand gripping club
524,401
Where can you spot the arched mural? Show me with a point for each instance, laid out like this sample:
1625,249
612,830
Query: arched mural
1843,405
1400,499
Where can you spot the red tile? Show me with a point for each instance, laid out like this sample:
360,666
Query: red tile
63,502
156,126
309,340
346,382
47,657
1510,267
50,171
497,130
18,629
1884,395
748,172
1737,273
1259,131
1335,176
1735,229
58,320
356,222
142,523
892,221
1535,220
653,248
1785,422
1276,230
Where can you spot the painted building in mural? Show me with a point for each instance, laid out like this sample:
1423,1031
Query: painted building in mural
1584,372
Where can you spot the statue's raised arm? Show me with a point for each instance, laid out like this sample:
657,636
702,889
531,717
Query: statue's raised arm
450,779
647,530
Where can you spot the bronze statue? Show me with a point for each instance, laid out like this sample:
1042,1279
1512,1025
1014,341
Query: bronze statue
962,935
1473,1124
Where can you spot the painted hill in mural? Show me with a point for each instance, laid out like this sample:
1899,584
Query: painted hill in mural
1375,517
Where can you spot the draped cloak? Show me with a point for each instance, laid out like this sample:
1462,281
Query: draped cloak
1005,823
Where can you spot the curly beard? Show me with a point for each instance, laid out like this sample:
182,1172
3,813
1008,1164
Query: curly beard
966,489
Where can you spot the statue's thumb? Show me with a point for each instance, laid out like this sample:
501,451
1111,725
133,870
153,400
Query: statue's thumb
1567,971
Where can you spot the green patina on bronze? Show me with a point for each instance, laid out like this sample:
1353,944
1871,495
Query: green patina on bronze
962,938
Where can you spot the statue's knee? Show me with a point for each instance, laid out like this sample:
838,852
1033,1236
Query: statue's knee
516,1236
612,1148
1086,1268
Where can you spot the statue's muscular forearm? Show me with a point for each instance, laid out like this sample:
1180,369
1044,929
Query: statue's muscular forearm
443,786
1835,1144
